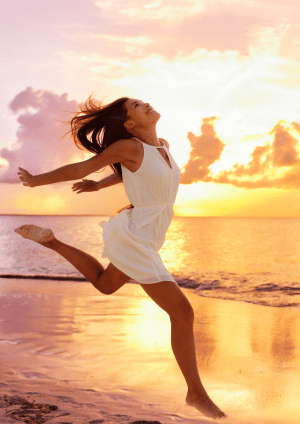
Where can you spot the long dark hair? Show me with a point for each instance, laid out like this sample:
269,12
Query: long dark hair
96,127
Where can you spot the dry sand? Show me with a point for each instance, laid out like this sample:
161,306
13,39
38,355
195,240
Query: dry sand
69,354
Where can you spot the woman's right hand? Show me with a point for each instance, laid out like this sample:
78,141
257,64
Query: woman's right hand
26,178
85,185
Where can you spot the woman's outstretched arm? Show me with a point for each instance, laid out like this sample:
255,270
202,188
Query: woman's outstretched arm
65,173
115,153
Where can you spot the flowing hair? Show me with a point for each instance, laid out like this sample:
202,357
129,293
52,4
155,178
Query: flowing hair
96,127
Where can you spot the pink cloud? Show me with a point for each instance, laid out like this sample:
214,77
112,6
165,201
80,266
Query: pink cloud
40,147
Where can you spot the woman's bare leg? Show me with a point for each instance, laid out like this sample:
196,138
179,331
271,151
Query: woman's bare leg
166,294
107,281
183,346
172,300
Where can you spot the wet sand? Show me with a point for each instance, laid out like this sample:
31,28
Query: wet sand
69,354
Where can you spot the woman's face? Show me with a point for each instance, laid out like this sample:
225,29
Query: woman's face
141,114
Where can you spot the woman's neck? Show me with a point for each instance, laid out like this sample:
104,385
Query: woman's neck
149,137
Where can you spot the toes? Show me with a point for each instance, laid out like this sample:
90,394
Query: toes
222,415
19,229
211,411
217,413
22,227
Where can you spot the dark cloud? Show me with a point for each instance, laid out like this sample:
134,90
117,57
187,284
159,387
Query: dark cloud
39,146
206,149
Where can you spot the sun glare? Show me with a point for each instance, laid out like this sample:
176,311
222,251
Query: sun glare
34,203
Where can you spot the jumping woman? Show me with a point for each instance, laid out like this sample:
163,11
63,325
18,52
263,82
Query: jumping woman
123,135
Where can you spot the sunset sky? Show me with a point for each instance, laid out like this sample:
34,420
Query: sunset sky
225,76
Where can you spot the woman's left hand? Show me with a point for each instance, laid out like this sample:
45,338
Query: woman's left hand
26,177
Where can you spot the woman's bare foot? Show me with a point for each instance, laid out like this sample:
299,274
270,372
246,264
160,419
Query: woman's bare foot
35,233
204,404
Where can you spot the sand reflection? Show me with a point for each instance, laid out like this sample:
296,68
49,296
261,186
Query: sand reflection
255,347
248,355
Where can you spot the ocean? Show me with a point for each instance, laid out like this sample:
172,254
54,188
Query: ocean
253,260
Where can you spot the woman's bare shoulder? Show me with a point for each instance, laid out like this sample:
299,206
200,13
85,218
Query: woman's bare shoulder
166,143
129,147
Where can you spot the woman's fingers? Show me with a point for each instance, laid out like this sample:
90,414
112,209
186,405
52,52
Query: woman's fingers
22,177
78,189
83,186
22,173
25,177
80,183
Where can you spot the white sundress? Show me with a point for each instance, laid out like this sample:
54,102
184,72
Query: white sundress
133,238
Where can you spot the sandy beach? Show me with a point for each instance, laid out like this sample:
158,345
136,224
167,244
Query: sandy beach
69,354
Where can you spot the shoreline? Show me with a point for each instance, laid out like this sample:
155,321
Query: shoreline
192,285
109,357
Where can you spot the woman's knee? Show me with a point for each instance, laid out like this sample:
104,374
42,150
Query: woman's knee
171,299
184,312
110,280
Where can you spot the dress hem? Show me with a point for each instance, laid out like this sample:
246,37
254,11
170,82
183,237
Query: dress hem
161,277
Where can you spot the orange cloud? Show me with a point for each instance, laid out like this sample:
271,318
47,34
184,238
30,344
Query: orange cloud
256,166
284,152
267,163
206,149
296,126
275,165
